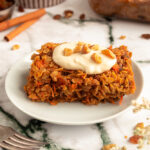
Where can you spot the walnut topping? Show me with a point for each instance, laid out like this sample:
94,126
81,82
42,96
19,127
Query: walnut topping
68,52
15,47
108,53
68,13
78,47
94,47
85,49
89,45
96,58
81,43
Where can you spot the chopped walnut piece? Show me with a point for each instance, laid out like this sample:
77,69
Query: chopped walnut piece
95,47
15,47
108,53
85,49
82,16
68,13
78,47
68,52
122,37
81,43
89,45
96,58
57,17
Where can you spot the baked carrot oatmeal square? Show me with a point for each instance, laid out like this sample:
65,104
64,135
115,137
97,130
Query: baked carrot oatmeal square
90,78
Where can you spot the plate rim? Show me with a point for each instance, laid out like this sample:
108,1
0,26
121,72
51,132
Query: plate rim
69,123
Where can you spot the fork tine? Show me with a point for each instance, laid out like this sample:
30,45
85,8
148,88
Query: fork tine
20,145
27,143
28,140
10,147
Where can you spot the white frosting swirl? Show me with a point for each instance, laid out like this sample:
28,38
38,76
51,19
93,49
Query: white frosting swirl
78,61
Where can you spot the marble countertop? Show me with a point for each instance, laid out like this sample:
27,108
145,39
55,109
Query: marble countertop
93,29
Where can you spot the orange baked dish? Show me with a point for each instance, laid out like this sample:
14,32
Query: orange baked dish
51,83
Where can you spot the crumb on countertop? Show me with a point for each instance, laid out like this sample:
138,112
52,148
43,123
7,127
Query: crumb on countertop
67,14
57,17
82,17
113,147
141,135
144,105
145,36
122,37
15,47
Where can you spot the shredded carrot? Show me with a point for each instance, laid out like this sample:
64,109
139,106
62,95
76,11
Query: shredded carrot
112,101
42,93
53,103
121,100
116,67
40,63
73,86
110,47
52,93
54,88
39,83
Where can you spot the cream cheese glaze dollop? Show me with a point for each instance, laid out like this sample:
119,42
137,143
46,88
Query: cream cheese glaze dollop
79,61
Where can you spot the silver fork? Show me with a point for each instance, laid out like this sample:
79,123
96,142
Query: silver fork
11,140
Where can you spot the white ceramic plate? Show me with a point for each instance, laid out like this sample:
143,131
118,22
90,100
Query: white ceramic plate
63,113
